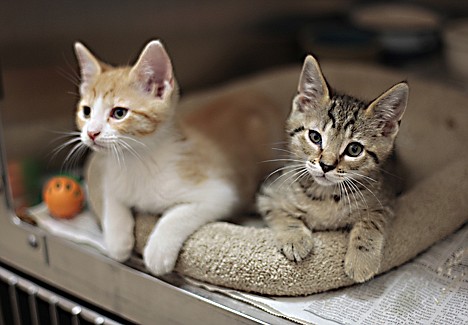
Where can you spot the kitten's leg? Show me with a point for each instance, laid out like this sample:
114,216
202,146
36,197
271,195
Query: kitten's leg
118,227
365,248
293,237
178,223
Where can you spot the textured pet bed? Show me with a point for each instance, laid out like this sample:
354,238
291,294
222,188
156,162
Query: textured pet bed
433,145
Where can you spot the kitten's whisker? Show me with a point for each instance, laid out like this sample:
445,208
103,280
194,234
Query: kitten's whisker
274,145
73,156
77,157
115,154
283,159
110,149
68,142
290,153
120,150
73,94
354,189
120,155
65,133
342,191
391,174
70,77
296,172
284,150
134,140
357,190
368,178
281,169
279,143
72,151
347,197
368,189
293,170
304,173
120,140
131,150
62,146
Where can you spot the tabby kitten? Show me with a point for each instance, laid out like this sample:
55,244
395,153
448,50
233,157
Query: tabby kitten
152,160
336,175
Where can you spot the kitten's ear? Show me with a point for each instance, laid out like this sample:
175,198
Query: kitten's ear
90,67
153,70
389,107
312,83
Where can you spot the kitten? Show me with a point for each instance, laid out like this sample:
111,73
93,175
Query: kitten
191,169
336,176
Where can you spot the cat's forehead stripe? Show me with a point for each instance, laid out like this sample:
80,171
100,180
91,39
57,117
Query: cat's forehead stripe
349,123
344,111
108,93
330,113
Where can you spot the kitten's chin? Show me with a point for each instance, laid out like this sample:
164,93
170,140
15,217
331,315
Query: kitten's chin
320,178
323,180
96,147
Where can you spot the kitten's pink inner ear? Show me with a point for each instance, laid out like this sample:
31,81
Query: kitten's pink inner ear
153,70
89,65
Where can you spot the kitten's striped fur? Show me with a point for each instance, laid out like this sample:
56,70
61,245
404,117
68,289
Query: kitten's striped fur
337,176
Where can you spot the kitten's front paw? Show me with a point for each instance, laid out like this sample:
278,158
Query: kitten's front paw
295,243
119,254
119,250
361,264
159,258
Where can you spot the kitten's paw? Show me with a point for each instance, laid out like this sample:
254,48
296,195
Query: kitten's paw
295,243
159,259
119,250
119,254
361,264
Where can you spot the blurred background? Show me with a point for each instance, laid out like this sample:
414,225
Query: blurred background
210,42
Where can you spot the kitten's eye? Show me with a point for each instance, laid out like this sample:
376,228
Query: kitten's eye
315,137
86,111
119,113
354,149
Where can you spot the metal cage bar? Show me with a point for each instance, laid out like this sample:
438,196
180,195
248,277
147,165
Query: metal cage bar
18,285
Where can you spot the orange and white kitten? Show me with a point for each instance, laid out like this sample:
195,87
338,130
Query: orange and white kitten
191,170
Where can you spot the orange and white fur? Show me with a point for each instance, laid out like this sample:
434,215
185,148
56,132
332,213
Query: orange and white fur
191,169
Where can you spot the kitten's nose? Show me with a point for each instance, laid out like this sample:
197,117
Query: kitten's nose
327,168
93,135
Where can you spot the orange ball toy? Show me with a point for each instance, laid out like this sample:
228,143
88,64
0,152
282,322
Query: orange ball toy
63,196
